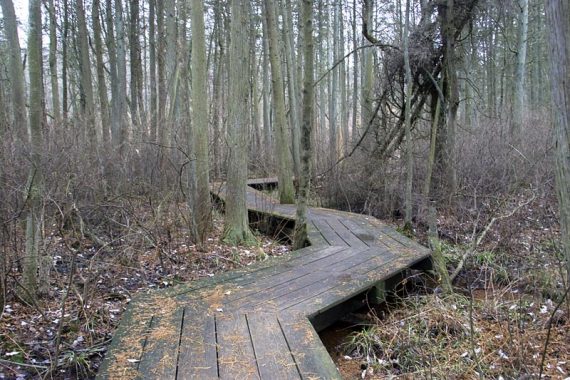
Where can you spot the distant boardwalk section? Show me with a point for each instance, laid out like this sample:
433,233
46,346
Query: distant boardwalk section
261,322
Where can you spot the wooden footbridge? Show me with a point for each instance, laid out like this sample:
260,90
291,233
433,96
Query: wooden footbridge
261,322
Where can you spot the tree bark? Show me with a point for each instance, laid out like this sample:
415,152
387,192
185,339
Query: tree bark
236,227
121,101
202,204
285,174
86,77
20,119
135,61
101,82
355,75
558,16
217,91
162,135
408,123
367,80
152,69
292,86
64,59
36,111
53,61
300,237
520,75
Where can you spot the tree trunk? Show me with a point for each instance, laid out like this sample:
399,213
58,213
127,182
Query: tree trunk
236,228
162,135
20,120
86,78
342,80
121,101
292,86
34,217
558,16
53,61
217,91
113,74
408,122
300,237
64,59
285,174
171,69
333,97
101,83
202,204
367,80
520,74
152,76
355,74
445,152
267,140
135,61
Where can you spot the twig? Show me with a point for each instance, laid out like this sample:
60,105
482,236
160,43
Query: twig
487,228
61,320
36,366
549,331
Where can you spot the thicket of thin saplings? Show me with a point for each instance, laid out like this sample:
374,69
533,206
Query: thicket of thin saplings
114,223
509,315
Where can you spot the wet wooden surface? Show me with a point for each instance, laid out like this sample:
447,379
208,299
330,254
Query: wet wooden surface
255,323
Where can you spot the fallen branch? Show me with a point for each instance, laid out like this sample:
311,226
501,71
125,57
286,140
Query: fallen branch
468,253
549,331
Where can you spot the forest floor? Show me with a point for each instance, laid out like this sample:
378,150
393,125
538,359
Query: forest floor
503,318
507,318
102,284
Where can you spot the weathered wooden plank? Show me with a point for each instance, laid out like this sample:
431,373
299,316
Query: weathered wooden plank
366,236
345,234
198,346
324,318
242,276
236,358
268,285
328,233
362,279
124,354
260,281
303,287
335,290
161,350
310,355
274,358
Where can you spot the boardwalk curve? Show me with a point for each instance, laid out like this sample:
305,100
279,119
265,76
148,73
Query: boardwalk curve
261,322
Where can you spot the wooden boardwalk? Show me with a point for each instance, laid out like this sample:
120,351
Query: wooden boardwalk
261,322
